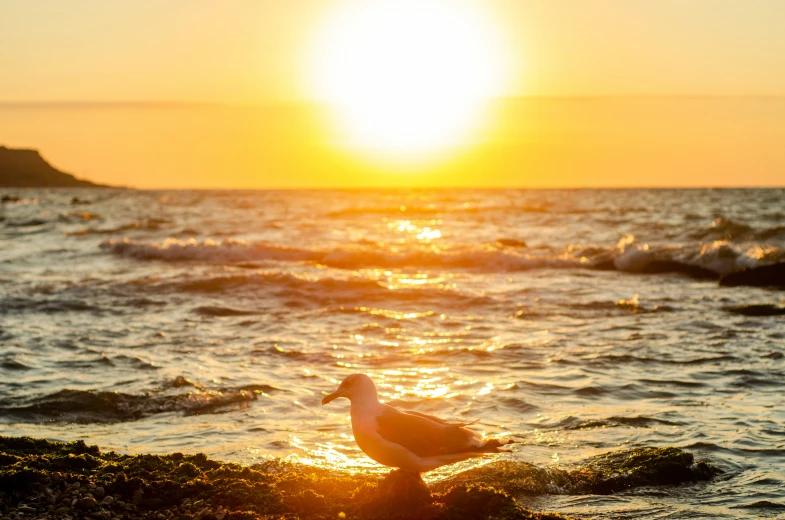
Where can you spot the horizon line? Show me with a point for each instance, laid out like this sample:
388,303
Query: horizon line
304,101
369,188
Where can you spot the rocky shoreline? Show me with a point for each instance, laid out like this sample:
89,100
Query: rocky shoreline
51,480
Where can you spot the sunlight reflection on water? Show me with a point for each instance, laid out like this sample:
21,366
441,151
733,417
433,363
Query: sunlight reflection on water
512,307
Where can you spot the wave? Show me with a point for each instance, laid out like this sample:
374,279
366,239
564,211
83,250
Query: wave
26,223
759,309
323,290
772,507
209,251
150,224
12,364
457,206
97,406
727,229
704,261
218,311
634,422
13,304
488,257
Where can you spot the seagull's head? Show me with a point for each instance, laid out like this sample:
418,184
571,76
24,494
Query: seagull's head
354,387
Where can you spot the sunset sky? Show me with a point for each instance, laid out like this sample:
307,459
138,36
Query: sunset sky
578,93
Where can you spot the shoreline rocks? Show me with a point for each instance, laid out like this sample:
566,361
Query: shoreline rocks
48,480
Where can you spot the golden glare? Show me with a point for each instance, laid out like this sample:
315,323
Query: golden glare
407,79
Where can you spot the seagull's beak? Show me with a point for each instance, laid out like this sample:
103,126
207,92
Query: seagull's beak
332,396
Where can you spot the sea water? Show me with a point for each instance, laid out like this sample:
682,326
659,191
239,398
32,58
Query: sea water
577,322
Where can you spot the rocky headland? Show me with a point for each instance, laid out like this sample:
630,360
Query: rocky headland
20,168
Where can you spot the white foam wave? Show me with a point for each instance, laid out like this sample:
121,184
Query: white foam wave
703,260
487,257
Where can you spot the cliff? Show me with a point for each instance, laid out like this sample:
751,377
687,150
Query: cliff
27,169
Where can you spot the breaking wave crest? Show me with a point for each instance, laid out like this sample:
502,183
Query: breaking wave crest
702,260
323,290
179,395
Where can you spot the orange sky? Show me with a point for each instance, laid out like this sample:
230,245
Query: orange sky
592,74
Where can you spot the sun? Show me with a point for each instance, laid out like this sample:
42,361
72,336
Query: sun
407,79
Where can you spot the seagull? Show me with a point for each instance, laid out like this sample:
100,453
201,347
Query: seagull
411,441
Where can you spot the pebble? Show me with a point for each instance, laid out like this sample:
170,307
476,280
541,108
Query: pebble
86,503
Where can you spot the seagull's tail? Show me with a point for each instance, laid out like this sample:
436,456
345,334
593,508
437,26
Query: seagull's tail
495,445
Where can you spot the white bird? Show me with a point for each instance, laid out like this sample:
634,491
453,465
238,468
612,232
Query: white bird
410,441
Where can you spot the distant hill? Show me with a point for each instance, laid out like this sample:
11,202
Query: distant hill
27,169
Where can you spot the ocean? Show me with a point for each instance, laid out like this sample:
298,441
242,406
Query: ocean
577,322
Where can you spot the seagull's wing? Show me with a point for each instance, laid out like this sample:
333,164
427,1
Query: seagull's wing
425,435
438,420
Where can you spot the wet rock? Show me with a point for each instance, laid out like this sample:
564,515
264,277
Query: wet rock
399,493
86,503
197,488
484,502
627,469
152,503
404,486
765,276
601,475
